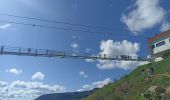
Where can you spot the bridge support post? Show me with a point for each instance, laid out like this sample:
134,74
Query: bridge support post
2,49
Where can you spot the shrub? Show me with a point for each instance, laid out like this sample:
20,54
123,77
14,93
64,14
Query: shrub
160,90
166,54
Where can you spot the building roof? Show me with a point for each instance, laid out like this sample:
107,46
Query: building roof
152,39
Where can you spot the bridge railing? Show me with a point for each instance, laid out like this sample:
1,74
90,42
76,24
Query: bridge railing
5,50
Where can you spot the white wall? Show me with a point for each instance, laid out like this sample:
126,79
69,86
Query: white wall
163,47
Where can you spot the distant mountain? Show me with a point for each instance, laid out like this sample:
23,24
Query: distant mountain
66,96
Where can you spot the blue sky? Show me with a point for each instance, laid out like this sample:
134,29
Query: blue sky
132,20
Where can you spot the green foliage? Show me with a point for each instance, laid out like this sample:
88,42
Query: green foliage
166,54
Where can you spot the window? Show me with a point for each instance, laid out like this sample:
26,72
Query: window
153,46
160,44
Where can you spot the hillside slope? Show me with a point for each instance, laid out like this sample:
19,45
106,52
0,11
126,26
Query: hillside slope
138,85
66,96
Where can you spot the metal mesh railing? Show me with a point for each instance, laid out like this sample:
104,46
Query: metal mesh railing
6,50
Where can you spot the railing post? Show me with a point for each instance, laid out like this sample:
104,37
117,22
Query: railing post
19,51
36,52
2,49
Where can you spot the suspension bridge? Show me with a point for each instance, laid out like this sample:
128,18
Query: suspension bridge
18,51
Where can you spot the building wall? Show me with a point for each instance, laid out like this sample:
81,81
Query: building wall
163,47
160,54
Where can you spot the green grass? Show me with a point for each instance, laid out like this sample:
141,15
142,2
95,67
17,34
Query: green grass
135,83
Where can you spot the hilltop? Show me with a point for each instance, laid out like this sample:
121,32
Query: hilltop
138,85
67,95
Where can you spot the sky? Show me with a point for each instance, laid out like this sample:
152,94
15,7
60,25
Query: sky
131,22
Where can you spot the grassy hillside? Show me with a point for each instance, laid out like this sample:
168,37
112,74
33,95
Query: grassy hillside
136,86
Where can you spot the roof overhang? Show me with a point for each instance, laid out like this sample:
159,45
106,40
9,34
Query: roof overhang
158,36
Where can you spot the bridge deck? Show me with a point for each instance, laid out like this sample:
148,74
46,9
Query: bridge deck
63,54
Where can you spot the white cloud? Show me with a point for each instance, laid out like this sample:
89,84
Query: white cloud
89,60
101,84
98,84
3,84
74,45
80,90
83,74
111,48
28,89
14,71
87,87
38,76
165,26
36,85
5,26
147,14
